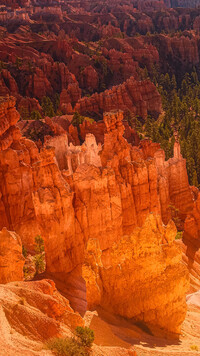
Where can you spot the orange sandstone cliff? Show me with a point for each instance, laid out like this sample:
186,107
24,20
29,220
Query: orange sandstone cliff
135,278
106,193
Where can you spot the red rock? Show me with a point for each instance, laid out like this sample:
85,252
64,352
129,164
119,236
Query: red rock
73,132
39,85
89,78
57,129
132,184
191,258
96,128
65,102
8,83
110,31
104,201
35,312
69,97
185,48
121,64
11,259
29,105
139,97
8,118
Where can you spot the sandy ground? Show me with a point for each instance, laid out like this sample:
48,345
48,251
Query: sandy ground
114,336
113,333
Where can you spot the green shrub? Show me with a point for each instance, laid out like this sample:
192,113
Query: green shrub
39,263
85,335
39,258
67,346
76,346
47,106
179,235
35,115
27,272
194,347
24,251
24,113
77,119
39,244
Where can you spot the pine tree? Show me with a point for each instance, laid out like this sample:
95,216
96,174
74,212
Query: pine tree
47,106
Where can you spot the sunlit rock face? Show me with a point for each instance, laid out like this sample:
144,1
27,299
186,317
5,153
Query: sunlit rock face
70,194
141,276
32,313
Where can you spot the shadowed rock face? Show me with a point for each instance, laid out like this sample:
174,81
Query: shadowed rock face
139,97
182,3
11,259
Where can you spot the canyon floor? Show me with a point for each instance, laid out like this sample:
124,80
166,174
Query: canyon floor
115,336
113,332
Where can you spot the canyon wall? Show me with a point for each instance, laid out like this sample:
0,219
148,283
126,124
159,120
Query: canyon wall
118,278
129,181
102,193
139,97
11,259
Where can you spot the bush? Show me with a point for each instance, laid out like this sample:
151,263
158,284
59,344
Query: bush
24,251
27,273
39,263
39,244
47,106
67,346
79,346
24,113
179,235
77,119
35,115
39,258
85,335
194,347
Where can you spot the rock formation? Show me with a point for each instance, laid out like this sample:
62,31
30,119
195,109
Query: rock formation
104,193
129,177
104,201
173,184
8,118
31,313
182,3
139,97
191,243
118,278
182,50
11,259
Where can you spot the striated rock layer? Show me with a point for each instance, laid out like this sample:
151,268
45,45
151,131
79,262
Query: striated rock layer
139,97
31,313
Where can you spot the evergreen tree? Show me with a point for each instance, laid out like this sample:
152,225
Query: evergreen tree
47,106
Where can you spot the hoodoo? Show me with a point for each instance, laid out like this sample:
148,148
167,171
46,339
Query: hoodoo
99,177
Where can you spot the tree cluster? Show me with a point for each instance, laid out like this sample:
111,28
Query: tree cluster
181,118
